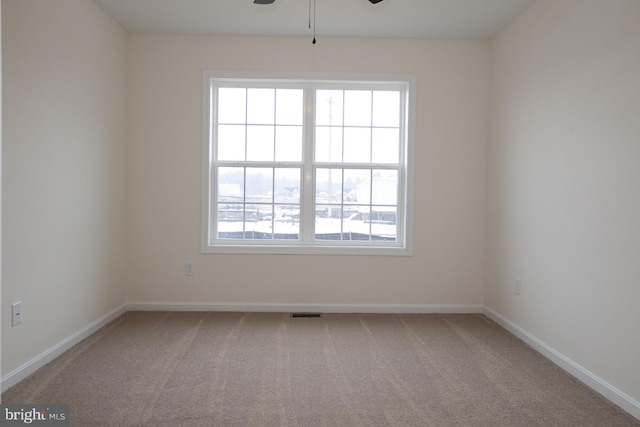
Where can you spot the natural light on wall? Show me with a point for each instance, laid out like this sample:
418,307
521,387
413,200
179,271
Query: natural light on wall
302,164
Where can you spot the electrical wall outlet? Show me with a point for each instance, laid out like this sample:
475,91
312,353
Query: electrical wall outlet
188,269
517,285
16,313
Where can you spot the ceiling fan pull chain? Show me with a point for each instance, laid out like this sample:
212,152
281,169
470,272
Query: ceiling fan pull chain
314,21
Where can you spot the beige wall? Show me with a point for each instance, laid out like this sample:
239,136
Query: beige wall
165,175
564,174
64,93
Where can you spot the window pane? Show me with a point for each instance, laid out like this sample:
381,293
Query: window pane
328,224
357,186
260,140
230,184
289,106
259,185
232,105
265,216
287,185
385,187
286,224
261,229
230,221
384,223
329,107
357,145
385,145
252,223
357,108
288,143
260,106
357,223
328,185
231,140
328,144
386,108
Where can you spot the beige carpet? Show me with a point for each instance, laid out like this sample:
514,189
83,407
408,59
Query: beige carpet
268,369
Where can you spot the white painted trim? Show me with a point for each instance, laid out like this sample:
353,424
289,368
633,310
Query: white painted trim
310,81
301,307
627,403
22,372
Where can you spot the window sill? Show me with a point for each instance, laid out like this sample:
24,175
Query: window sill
306,250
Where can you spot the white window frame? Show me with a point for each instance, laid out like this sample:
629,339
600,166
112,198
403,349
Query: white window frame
307,245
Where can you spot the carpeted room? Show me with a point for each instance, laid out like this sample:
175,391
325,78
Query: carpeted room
518,174
258,369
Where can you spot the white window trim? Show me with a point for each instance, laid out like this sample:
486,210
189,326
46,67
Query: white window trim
318,248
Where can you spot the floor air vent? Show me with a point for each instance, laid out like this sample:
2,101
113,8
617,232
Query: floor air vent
306,315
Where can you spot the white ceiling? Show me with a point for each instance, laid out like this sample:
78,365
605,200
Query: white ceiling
434,19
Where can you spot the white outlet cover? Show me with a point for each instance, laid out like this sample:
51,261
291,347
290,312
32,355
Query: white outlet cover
16,313
188,269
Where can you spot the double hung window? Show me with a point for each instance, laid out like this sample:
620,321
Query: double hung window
306,165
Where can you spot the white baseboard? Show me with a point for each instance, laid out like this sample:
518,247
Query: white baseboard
322,308
22,372
614,395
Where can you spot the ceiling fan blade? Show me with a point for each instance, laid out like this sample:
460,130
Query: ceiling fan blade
266,1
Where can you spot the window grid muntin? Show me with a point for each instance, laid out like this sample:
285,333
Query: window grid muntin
363,165
372,126
247,201
215,124
343,204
